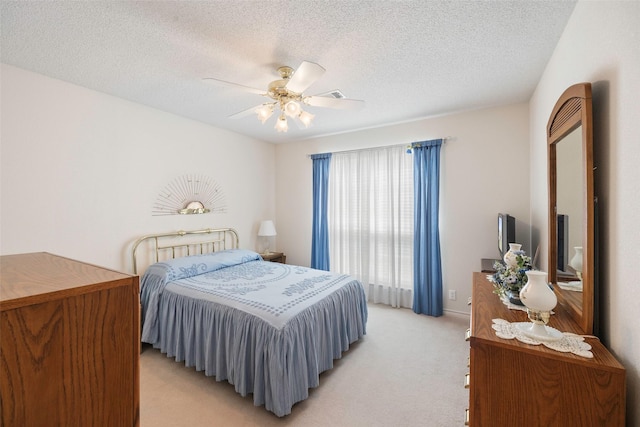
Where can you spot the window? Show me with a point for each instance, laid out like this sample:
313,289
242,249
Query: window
371,221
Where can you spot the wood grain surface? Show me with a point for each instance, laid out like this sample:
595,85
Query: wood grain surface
69,356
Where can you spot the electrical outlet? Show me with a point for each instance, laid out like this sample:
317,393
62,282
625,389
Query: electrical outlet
452,294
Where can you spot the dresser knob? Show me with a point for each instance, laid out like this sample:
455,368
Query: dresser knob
467,380
467,335
466,417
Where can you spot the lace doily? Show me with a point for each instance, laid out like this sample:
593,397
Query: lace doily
569,343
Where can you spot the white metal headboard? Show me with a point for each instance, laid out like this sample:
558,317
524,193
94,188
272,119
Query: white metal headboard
164,246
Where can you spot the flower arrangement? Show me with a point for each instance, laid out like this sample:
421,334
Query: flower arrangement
508,279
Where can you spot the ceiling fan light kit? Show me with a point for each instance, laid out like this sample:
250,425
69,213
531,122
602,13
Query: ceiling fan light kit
288,94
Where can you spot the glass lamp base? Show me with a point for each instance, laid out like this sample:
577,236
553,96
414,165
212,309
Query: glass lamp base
539,332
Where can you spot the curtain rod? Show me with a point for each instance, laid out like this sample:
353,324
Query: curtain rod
444,140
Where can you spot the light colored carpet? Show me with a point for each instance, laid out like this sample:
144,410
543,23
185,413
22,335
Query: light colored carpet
407,371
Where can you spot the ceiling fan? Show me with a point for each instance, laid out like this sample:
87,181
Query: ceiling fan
287,94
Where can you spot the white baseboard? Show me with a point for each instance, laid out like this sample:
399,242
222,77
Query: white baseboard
463,313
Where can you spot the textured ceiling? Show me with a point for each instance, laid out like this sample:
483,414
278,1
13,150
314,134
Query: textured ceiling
406,59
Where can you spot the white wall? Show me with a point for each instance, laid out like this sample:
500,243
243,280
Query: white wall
601,45
81,171
484,170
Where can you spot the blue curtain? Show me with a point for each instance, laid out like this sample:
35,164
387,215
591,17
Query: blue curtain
320,237
427,265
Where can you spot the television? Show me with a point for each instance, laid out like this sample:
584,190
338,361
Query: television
563,241
506,232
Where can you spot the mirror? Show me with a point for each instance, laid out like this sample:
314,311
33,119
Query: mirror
571,204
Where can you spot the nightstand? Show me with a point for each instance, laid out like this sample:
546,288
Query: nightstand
275,257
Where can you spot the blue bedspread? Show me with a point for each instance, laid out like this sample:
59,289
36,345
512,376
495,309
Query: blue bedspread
268,328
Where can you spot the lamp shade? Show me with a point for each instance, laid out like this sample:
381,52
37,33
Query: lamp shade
306,118
267,228
576,261
264,112
281,124
292,109
536,294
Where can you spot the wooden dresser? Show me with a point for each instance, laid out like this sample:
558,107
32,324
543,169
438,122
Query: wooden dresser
69,343
516,384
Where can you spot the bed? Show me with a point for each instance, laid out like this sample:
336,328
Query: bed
269,329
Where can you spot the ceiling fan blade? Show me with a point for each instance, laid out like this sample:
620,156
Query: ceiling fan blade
234,85
245,113
306,74
339,103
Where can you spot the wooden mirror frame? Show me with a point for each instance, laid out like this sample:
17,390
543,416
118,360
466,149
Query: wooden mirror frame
572,110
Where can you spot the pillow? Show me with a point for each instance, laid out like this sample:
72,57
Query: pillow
181,268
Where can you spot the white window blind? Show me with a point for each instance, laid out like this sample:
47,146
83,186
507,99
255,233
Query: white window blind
371,221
